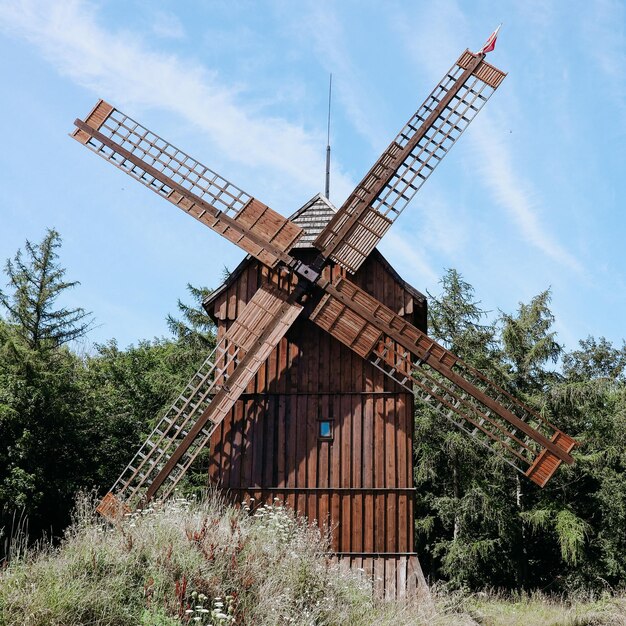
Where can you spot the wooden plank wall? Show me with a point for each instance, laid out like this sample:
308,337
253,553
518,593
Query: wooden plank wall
360,482
392,577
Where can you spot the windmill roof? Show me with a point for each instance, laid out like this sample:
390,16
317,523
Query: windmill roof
312,217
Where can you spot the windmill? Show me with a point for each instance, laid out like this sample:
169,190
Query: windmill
316,287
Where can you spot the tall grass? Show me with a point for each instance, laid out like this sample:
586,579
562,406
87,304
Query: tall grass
189,563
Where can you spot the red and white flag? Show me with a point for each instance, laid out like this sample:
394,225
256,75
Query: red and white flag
490,44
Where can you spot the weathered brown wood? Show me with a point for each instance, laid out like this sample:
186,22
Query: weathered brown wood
269,225
95,119
248,238
347,238
547,463
429,352
332,481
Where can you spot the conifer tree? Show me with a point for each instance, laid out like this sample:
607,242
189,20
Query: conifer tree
194,328
35,281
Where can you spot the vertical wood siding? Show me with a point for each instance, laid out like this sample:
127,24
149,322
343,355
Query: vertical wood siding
360,482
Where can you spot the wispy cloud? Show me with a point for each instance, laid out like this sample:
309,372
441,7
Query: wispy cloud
122,67
513,193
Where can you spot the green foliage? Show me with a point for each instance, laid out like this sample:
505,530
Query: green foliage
181,561
537,609
206,563
456,320
70,422
480,526
596,359
529,343
195,329
35,283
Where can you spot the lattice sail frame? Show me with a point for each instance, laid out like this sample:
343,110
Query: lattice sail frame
188,184
186,428
464,396
409,160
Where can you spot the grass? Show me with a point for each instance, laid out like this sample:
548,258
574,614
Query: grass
540,610
208,563
188,563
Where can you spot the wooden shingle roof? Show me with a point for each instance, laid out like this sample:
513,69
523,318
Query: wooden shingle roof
312,218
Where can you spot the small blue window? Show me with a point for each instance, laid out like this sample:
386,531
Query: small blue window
326,430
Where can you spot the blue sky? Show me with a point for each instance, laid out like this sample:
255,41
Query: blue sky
530,197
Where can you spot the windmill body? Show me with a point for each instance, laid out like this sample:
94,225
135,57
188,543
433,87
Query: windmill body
322,348
322,429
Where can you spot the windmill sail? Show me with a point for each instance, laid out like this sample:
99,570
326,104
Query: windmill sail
191,186
405,354
409,160
187,427
462,394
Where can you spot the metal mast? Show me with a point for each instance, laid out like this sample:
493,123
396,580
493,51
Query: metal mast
327,188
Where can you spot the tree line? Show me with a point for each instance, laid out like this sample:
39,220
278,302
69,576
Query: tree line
71,420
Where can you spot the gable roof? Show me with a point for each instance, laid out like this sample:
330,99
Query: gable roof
312,217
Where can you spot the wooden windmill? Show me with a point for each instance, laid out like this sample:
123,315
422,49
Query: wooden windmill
321,347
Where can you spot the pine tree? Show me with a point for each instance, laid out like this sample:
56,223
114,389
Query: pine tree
194,328
36,280
42,456
459,517
529,344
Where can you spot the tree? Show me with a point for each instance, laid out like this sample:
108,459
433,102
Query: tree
454,317
529,344
129,390
462,527
36,281
195,328
590,403
479,523
42,456
42,461
595,360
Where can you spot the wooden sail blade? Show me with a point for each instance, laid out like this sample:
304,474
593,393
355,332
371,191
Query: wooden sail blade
188,184
187,427
409,160
462,394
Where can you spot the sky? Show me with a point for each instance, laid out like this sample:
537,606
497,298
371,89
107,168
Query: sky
529,198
